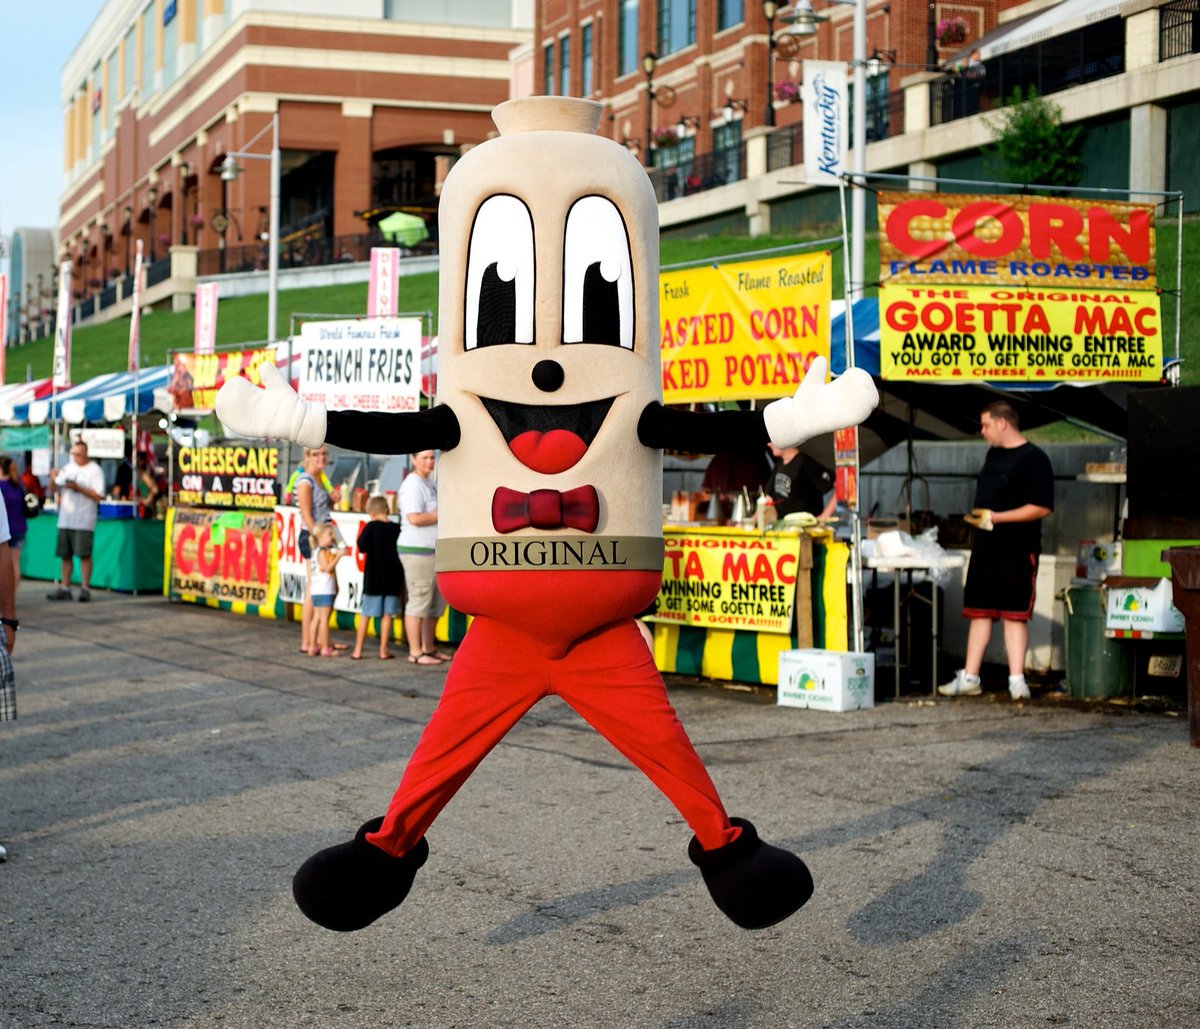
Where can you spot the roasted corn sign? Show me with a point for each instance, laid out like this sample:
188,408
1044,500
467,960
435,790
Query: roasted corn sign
1017,288
743,331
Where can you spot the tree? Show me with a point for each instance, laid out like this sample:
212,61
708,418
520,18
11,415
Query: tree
1031,145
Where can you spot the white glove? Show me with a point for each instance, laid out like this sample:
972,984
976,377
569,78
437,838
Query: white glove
819,407
274,411
980,517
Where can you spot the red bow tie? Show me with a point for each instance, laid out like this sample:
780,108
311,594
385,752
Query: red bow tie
578,508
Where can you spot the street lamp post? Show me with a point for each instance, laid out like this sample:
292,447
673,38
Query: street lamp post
649,60
229,172
770,9
151,219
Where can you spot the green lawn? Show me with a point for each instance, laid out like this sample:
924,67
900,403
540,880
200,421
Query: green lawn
103,348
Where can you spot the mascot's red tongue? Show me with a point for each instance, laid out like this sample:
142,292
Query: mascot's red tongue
548,452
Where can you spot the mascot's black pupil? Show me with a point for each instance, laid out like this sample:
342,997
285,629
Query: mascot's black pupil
497,309
601,308
548,376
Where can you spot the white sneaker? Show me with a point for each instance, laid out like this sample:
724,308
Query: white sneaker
1018,688
962,685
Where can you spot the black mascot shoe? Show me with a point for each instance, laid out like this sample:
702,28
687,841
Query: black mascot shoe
347,887
753,883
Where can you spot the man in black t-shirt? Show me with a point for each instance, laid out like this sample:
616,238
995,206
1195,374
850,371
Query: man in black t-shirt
1014,492
798,483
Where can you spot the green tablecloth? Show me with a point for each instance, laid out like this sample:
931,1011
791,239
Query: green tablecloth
127,554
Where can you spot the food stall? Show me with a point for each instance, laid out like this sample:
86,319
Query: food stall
127,551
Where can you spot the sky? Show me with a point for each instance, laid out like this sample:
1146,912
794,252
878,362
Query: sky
39,36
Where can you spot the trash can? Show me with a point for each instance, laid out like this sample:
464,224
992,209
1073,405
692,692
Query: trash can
1097,667
1185,587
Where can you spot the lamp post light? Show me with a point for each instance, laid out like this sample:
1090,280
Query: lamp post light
185,172
229,172
649,60
770,9
151,219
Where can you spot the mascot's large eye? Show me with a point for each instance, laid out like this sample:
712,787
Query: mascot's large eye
597,275
499,304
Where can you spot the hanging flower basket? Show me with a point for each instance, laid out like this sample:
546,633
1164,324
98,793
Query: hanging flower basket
665,138
196,221
787,90
952,31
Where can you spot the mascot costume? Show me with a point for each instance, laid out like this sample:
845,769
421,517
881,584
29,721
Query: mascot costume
550,420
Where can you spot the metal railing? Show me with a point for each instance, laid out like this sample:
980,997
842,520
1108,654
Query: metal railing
699,173
301,253
1178,29
1061,62
785,147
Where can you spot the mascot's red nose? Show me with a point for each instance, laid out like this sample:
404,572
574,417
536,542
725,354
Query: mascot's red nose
548,452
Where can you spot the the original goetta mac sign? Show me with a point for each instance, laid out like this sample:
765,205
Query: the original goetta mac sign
1024,288
372,364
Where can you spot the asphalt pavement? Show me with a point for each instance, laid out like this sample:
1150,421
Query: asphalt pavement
977,863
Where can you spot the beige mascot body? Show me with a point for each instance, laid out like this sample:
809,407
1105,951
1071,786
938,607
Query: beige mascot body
550,420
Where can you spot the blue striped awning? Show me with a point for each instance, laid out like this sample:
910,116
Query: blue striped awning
106,398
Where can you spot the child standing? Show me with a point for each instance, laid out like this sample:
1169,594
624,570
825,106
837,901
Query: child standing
324,585
383,578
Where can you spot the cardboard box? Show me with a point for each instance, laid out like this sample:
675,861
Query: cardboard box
826,680
1138,604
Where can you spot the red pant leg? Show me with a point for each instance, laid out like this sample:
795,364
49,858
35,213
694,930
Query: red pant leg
481,701
610,679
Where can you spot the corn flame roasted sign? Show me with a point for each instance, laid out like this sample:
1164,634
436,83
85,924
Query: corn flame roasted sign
227,476
721,580
217,555
743,331
1017,288
197,377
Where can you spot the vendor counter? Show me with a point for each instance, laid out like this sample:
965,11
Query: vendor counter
732,599
127,553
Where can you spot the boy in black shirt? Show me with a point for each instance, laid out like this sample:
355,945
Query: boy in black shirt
383,577
1014,492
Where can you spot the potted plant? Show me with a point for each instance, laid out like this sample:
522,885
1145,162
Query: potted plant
196,221
665,138
787,90
952,31
164,239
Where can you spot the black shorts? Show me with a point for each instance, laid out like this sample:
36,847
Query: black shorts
1000,585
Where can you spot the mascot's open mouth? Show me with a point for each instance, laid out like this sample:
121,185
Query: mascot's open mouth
548,438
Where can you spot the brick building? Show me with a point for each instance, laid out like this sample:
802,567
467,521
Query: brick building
373,103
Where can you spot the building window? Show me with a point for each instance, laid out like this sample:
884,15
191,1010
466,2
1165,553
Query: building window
147,81
110,93
170,51
627,37
729,13
676,25
96,100
198,10
587,70
727,147
129,54
548,69
564,66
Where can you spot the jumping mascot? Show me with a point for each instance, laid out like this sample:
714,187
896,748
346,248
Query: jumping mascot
550,420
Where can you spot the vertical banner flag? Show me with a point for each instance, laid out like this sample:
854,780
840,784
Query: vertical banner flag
205,333
135,316
3,323
383,292
62,330
826,122
1017,288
